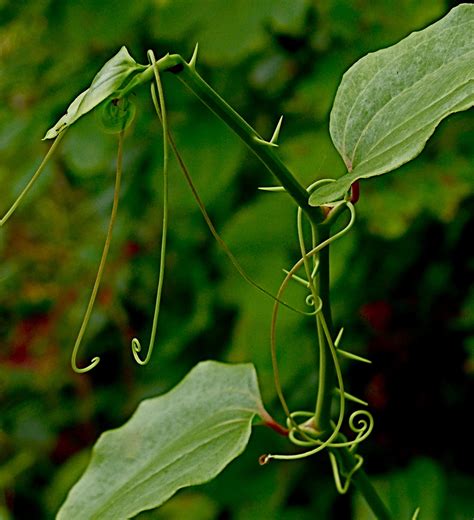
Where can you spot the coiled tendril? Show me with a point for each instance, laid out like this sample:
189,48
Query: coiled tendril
305,434
343,488
160,108
116,115
100,271
300,263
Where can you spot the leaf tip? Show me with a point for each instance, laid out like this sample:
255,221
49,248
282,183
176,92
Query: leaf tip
51,134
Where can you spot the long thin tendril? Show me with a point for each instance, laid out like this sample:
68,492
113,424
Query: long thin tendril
290,273
310,275
305,434
105,252
161,112
292,424
216,235
313,295
33,179
363,428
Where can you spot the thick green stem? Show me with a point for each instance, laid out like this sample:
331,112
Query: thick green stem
327,375
327,380
363,484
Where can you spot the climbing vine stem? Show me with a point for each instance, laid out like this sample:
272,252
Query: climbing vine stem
264,150
321,224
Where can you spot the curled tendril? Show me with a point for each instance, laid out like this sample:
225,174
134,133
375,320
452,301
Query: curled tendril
160,108
320,445
33,179
317,312
363,428
342,488
116,115
300,433
100,271
304,434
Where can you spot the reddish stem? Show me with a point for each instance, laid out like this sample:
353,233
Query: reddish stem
355,192
270,422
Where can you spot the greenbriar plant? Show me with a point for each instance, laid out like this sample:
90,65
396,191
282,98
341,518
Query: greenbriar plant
386,108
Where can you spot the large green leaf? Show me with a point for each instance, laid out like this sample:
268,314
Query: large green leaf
109,78
182,438
390,102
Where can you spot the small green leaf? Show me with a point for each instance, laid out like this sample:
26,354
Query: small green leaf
390,102
182,438
109,78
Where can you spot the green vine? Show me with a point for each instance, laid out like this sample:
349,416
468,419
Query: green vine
304,429
320,207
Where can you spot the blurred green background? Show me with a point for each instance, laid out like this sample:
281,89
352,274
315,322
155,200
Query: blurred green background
402,279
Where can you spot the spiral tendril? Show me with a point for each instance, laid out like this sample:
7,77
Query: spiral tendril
116,115
315,250
160,109
100,271
305,434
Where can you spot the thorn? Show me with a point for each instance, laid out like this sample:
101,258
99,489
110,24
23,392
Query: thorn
352,398
272,188
339,336
352,356
192,61
298,279
276,133
266,143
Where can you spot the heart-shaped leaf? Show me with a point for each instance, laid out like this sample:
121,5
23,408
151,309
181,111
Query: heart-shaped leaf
390,102
109,78
182,438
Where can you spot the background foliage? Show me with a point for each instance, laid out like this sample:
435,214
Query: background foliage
400,279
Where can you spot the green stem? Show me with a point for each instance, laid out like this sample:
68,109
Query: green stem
327,376
262,149
327,379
